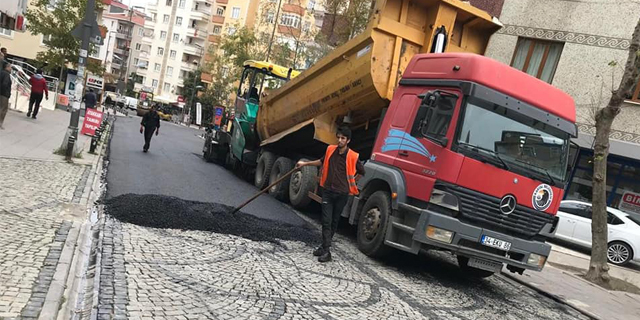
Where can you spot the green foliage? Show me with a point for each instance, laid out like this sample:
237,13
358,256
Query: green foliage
240,46
56,26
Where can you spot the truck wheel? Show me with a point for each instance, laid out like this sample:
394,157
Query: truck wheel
463,263
301,182
372,224
263,169
281,190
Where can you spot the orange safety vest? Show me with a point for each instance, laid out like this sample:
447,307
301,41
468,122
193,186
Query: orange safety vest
352,160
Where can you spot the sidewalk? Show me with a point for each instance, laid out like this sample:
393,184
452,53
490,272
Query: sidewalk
570,288
43,216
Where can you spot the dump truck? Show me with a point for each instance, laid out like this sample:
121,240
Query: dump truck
462,153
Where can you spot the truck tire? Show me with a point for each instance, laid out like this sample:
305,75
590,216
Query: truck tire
263,169
463,263
281,190
372,225
300,184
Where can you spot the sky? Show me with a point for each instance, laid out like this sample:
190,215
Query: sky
141,3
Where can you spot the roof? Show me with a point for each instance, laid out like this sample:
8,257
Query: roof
115,4
275,69
495,75
135,18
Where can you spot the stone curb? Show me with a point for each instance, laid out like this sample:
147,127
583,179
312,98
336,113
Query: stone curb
554,297
62,295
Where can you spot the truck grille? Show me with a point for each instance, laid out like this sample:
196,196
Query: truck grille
485,210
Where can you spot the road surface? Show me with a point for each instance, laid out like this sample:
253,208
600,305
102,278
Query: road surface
184,257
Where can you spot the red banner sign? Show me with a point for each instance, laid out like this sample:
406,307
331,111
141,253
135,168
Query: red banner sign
92,120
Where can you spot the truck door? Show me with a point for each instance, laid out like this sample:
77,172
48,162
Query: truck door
423,156
399,113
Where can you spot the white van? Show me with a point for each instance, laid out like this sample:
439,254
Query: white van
130,103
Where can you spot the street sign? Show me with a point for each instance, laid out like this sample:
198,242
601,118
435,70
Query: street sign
198,113
218,118
83,53
92,120
630,202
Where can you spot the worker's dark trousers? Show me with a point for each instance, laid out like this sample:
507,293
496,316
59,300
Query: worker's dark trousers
332,205
35,98
148,134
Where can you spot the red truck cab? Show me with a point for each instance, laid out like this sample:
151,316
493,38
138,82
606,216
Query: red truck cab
471,157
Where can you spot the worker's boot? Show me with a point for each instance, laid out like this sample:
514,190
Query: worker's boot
318,251
326,257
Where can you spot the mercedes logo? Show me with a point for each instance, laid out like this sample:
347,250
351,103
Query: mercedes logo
508,204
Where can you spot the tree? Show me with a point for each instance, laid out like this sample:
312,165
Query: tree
217,93
240,46
598,267
190,91
346,19
55,25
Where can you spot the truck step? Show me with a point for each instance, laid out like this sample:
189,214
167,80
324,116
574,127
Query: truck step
399,246
403,227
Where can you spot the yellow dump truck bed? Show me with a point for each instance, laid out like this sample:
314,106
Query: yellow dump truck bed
359,77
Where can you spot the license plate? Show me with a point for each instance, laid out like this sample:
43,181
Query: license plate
485,264
495,243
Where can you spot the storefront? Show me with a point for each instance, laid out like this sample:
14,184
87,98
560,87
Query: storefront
623,171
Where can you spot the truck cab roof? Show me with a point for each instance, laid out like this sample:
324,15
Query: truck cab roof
493,74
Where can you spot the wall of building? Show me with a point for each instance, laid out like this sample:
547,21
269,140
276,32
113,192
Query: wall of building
592,40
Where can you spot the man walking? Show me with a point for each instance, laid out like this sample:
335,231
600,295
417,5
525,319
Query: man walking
90,99
150,122
339,168
38,87
5,90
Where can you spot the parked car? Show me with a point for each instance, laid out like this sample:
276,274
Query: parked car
574,226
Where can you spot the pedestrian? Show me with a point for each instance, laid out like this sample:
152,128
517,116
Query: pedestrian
38,87
90,99
5,91
150,123
340,166
3,53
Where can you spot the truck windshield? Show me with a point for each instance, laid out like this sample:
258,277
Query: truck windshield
524,145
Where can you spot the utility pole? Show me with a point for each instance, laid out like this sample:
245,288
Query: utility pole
273,34
86,31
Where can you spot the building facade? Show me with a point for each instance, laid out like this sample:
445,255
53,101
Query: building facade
580,47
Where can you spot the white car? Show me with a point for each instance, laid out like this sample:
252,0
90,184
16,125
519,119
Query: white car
574,226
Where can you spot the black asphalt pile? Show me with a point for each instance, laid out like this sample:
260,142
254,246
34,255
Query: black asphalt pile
166,212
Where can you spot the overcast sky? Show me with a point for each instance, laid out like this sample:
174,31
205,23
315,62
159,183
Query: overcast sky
141,3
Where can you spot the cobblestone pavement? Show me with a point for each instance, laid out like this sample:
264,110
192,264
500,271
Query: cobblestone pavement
32,195
152,273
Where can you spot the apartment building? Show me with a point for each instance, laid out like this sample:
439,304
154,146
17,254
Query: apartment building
121,50
173,44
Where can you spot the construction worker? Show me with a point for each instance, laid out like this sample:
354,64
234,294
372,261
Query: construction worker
340,166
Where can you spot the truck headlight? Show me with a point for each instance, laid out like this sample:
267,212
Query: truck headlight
536,260
439,234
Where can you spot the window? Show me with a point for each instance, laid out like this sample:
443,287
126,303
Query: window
290,20
220,11
270,17
575,208
613,220
306,27
136,61
538,58
311,5
160,51
168,3
154,83
182,3
172,54
138,46
141,32
235,14
169,71
231,31
178,21
45,39
156,67
167,87
163,35
165,18
176,37
5,32
217,29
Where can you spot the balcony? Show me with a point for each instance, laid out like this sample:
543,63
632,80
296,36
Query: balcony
197,33
193,50
123,51
144,55
213,38
141,72
222,1
116,65
287,30
207,1
123,35
217,19
200,14
293,8
188,66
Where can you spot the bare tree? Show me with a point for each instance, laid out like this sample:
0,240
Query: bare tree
598,267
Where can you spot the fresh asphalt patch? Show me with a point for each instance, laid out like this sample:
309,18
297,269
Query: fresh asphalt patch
157,211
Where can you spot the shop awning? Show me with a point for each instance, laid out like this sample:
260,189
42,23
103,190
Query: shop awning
164,99
616,147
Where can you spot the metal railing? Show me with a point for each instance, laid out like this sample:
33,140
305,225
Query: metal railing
21,73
